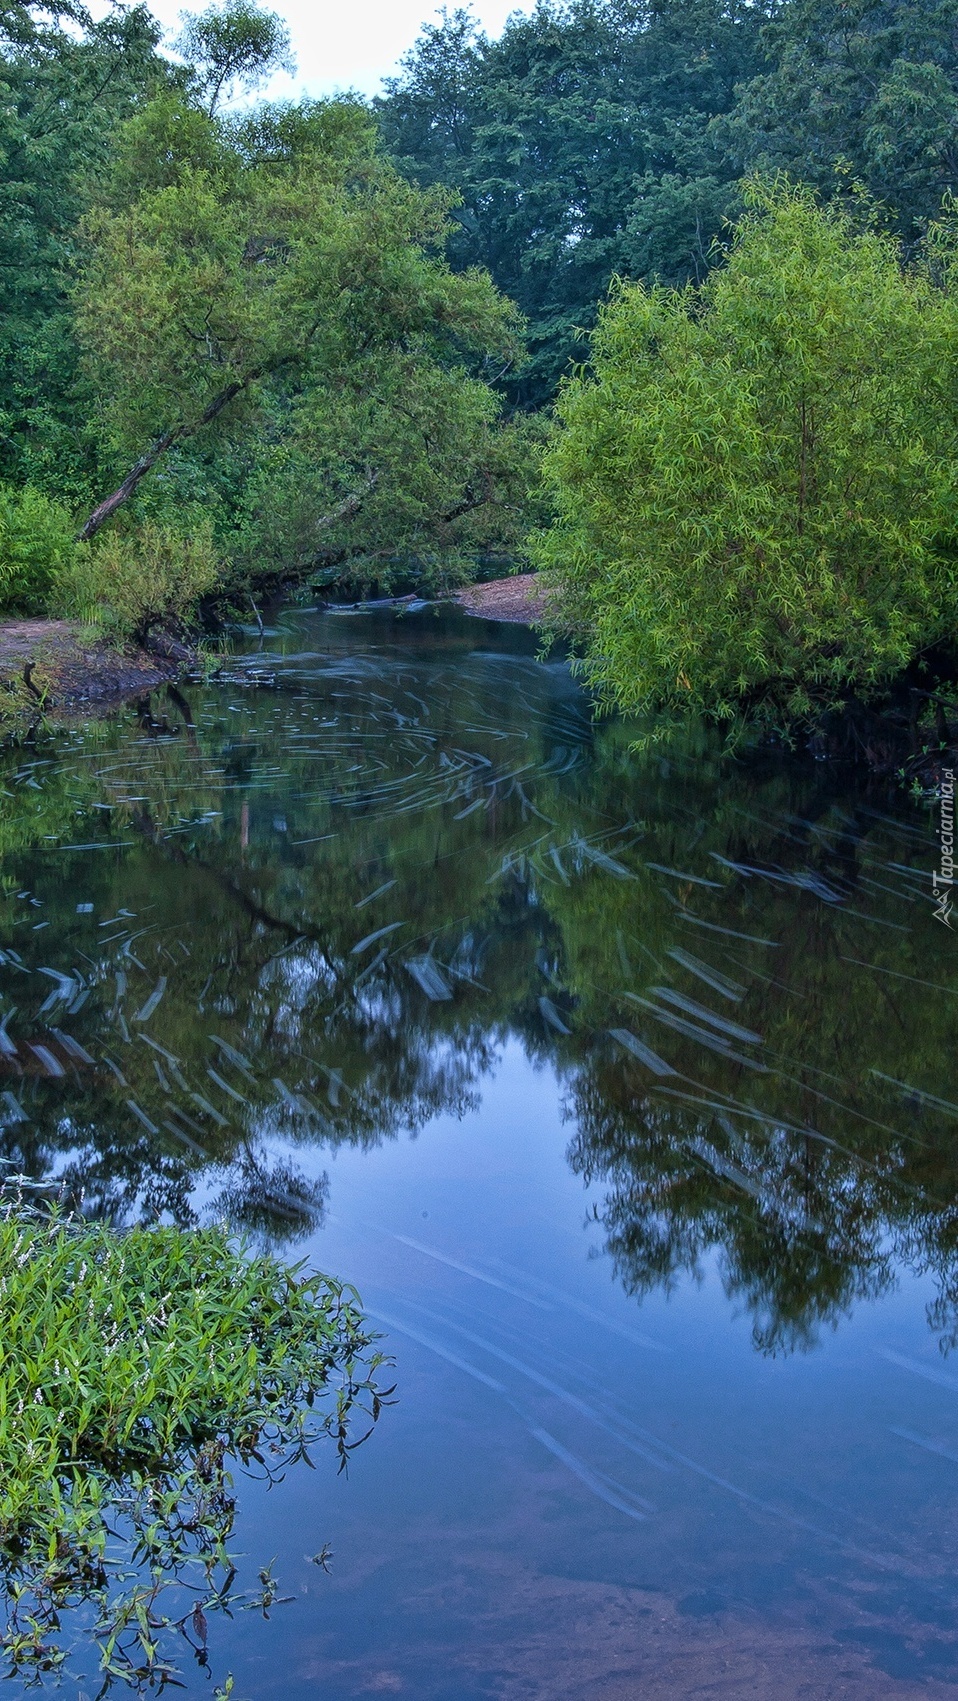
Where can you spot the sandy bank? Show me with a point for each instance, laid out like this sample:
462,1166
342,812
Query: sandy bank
518,598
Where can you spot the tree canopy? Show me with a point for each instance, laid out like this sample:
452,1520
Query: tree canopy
62,96
580,143
605,138
866,89
265,304
233,46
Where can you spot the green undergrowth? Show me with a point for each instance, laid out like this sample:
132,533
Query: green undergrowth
136,1372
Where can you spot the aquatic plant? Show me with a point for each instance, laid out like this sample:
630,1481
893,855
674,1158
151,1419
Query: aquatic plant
135,1370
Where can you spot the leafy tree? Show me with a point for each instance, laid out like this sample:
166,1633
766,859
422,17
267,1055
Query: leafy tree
865,86
580,142
602,138
754,483
233,44
62,94
24,21
264,306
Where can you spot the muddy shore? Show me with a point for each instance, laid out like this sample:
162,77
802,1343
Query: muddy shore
50,666
46,665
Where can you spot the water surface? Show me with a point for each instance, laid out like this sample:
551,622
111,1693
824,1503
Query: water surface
621,1085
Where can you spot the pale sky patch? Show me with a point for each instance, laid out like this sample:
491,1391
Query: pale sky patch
351,45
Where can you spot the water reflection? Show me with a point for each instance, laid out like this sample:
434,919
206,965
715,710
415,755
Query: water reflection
306,907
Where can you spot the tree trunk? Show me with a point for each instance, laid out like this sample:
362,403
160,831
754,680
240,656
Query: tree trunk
110,504
345,511
114,501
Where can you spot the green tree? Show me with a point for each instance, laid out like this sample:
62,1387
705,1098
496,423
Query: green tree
754,482
865,86
24,21
264,307
233,44
62,94
580,143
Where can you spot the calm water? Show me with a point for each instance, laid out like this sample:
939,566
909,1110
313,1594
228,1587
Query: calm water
622,1086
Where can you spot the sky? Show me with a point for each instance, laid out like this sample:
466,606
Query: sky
349,44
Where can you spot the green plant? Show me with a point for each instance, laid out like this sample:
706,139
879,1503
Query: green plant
754,482
36,548
133,1370
134,580
582,143
233,43
339,376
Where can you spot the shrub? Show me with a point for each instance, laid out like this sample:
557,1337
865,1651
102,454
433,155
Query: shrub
131,581
754,483
37,548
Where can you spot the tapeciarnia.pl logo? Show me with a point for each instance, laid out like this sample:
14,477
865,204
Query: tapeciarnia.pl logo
944,880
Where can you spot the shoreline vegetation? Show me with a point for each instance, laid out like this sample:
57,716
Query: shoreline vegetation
139,1372
55,669
58,666
659,300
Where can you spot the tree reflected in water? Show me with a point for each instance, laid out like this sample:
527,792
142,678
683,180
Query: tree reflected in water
342,879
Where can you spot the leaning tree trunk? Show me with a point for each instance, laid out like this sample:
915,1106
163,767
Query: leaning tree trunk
123,491
110,503
146,462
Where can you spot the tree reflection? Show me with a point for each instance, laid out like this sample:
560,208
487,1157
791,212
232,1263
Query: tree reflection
331,903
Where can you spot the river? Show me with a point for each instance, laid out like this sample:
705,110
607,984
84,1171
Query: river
622,1085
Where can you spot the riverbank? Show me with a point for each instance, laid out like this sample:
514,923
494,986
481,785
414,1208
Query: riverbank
50,665
519,599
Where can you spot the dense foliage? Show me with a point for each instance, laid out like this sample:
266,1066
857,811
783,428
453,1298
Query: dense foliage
755,481
259,303
62,95
135,1369
241,345
37,548
265,306
598,138
866,89
580,142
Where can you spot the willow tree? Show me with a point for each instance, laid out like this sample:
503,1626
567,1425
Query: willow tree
270,293
754,482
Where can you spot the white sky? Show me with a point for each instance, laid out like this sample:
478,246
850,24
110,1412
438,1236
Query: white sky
350,44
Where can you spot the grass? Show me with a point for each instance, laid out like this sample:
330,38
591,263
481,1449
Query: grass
134,1370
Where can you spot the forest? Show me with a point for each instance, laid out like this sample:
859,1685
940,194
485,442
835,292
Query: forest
656,297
